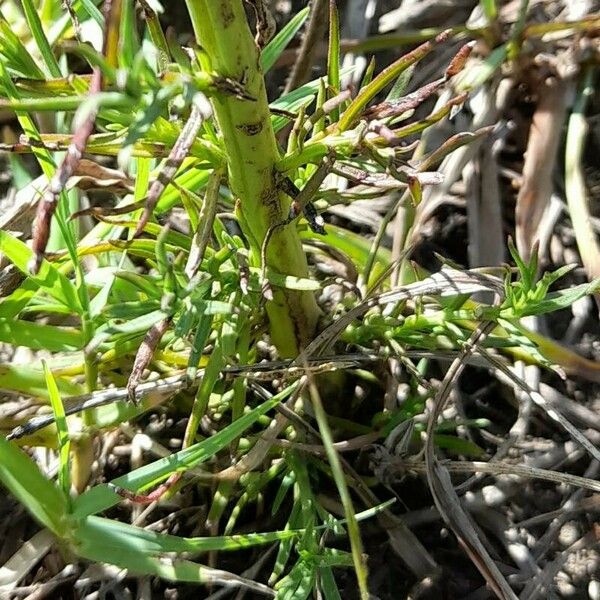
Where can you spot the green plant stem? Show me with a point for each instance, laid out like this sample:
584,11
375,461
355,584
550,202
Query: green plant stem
223,32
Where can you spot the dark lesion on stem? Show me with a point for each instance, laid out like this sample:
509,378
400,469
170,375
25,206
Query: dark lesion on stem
301,204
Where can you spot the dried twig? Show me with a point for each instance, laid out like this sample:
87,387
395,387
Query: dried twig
575,187
200,111
443,492
551,410
161,389
144,355
544,137
49,200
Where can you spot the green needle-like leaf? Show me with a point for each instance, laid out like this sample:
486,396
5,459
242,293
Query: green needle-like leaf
272,51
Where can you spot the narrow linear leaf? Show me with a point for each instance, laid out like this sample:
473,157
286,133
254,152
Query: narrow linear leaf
333,52
40,337
339,477
114,534
31,382
102,497
33,19
490,10
560,299
476,76
328,585
386,77
62,430
272,51
401,84
165,567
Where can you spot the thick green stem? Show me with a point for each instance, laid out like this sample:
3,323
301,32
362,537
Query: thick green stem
222,30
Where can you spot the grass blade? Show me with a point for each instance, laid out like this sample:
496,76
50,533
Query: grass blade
40,337
44,501
113,534
35,24
490,10
333,50
102,497
128,553
272,51
30,381
342,486
62,430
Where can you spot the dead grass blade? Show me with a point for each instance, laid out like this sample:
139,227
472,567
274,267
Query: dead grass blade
542,148
540,585
206,219
577,195
48,203
154,391
498,467
587,505
89,175
440,484
265,22
551,410
484,206
407,226
23,560
394,108
144,355
159,390
315,30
